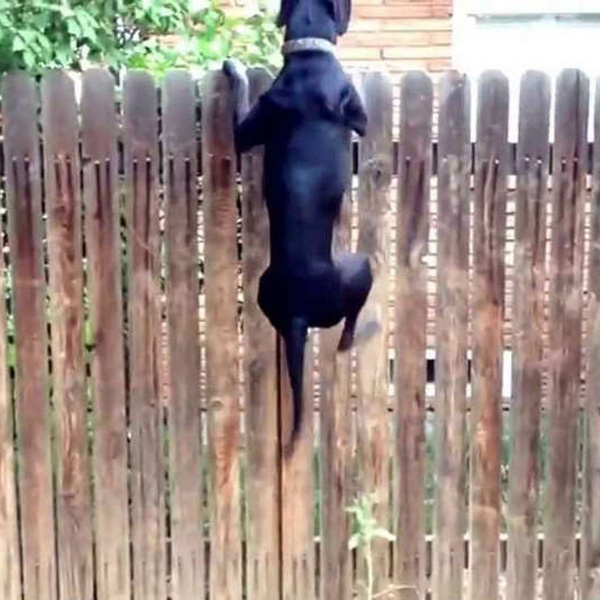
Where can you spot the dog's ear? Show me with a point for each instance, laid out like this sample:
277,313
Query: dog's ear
285,11
341,13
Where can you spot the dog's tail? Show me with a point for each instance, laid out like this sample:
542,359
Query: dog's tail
295,341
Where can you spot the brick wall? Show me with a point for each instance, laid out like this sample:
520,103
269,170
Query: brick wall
398,35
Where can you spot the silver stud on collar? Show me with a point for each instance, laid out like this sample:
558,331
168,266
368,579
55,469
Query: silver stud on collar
307,44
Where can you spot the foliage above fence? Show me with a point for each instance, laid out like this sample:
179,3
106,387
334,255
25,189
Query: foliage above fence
150,458
138,34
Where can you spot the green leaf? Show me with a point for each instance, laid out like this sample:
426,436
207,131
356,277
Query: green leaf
18,44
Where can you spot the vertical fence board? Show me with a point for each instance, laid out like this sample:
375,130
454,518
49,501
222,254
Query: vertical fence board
372,421
454,158
411,316
23,179
185,468
63,205
566,302
590,561
260,378
99,130
488,312
528,316
144,343
220,216
10,567
297,548
335,445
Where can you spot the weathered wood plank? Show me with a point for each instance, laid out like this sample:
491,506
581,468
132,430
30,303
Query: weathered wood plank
140,118
491,162
10,564
260,378
566,307
101,208
451,336
220,215
23,189
410,321
528,325
374,220
297,547
335,444
185,469
63,205
590,560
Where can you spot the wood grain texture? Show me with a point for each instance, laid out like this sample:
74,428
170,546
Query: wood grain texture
185,473
335,443
260,378
23,191
297,532
221,265
63,206
528,325
454,154
488,314
10,563
101,208
140,117
374,220
416,101
566,307
590,560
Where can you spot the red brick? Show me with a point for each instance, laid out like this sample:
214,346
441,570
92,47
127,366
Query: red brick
381,40
439,64
440,38
358,52
399,11
416,52
360,25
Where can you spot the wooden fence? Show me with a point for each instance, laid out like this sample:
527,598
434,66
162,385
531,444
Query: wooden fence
143,403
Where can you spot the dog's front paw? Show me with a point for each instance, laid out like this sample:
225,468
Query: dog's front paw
234,71
229,68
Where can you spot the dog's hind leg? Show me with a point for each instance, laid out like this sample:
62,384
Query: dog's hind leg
356,281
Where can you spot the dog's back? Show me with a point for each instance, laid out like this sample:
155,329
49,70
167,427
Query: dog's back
307,158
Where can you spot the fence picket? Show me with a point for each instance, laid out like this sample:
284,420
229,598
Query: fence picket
335,443
23,190
185,403
566,307
145,406
101,209
221,264
63,206
374,219
10,563
297,545
260,378
590,560
451,336
416,105
488,313
528,326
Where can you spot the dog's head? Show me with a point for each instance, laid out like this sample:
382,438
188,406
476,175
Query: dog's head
314,18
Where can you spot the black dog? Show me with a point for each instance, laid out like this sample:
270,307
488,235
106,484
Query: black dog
304,121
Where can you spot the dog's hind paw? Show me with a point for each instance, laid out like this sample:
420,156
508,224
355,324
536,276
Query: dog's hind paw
363,332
